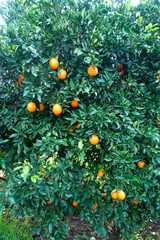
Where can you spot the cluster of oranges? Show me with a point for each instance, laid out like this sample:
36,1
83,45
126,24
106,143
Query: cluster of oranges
75,204
120,68
120,195
57,110
20,81
31,107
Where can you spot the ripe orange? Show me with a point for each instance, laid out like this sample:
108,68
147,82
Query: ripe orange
54,64
122,73
133,84
141,164
95,206
57,109
75,204
45,228
135,202
114,194
70,130
158,119
109,88
159,76
77,126
100,174
38,157
21,78
139,103
74,103
94,140
157,123
15,102
41,107
120,67
92,70
48,202
62,74
121,195
31,107
124,81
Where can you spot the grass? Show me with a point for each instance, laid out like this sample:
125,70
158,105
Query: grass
14,229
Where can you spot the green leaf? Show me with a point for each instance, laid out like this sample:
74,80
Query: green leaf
1,208
25,169
78,51
87,60
50,227
34,178
80,144
26,92
33,71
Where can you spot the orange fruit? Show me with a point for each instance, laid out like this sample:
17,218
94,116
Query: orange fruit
74,103
123,81
139,103
41,107
77,126
133,84
121,195
57,109
54,64
100,174
95,206
38,157
157,123
62,74
141,164
21,78
122,73
158,119
94,139
31,107
48,202
15,102
74,44
159,76
135,202
109,88
120,67
17,84
92,70
70,130
45,228
75,204
114,194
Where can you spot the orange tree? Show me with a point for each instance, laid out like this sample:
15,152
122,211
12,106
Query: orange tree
80,115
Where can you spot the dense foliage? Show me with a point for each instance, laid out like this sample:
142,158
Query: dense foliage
43,159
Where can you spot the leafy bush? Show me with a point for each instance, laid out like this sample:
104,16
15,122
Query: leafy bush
49,162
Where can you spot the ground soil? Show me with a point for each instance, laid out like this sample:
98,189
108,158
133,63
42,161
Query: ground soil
82,228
